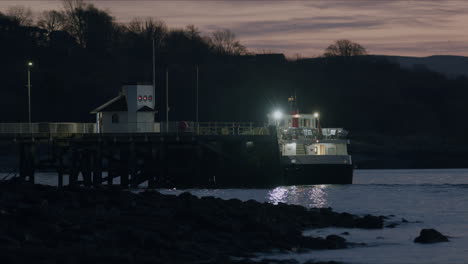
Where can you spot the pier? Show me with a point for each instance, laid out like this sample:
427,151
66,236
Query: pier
183,155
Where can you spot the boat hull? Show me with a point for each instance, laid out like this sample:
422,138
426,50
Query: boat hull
309,172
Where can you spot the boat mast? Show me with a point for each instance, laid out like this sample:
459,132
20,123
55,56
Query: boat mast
293,109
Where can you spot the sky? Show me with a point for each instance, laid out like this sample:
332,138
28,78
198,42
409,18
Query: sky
385,27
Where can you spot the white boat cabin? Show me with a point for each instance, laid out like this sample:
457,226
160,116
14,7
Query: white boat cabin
301,135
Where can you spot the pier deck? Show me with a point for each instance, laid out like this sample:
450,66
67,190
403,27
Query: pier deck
219,156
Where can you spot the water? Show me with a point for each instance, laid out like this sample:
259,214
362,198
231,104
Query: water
436,198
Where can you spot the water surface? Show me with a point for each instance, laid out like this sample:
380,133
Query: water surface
432,198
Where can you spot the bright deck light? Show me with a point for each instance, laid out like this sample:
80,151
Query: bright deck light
277,115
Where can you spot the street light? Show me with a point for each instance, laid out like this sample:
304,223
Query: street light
30,65
316,115
277,115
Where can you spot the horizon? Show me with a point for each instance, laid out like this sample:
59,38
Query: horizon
421,28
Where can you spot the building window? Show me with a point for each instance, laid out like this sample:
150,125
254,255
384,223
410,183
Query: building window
115,118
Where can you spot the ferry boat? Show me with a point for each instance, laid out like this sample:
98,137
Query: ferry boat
311,154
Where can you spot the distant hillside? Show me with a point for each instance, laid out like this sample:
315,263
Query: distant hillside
451,66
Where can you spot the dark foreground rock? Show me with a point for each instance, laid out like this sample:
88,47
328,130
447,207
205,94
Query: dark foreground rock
40,224
427,236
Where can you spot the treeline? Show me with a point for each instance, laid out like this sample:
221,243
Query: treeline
82,57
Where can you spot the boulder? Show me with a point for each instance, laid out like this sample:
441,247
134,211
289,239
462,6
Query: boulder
336,241
369,222
427,236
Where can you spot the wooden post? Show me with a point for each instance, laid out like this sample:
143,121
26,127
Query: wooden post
198,164
123,165
60,178
154,165
74,171
26,162
148,166
132,165
163,163
97,166
22,161
32,155
111,170
86,167
60,167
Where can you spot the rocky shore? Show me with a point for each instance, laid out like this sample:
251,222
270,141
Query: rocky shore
41,224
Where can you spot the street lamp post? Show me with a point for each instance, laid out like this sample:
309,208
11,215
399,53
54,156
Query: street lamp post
30,65
196,113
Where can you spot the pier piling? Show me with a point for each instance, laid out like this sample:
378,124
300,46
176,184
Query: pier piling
160,160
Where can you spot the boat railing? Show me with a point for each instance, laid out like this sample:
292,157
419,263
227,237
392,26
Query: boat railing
312,133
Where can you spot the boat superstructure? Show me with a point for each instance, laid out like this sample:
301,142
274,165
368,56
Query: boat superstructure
311,154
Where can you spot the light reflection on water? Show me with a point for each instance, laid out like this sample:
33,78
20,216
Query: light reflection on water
316,195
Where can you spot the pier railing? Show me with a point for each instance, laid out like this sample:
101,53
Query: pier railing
214,128
176,127
47,128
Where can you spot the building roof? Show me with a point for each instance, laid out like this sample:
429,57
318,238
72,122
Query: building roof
117,104
145,108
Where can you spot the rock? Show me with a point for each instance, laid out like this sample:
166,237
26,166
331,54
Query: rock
369,222
8,243
339,242
427,236
278,261
110,225
391,225
321,262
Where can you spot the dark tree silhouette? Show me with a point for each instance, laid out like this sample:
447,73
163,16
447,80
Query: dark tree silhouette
97,28
51,21
149,29
23,15
145,31
224,42
344,48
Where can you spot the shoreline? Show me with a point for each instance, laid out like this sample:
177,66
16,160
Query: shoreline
75,225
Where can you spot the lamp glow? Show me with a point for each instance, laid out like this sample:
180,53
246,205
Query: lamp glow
30,63
277,115
316,115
